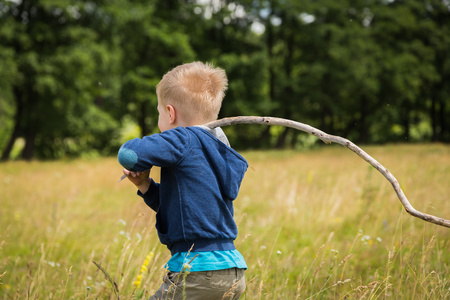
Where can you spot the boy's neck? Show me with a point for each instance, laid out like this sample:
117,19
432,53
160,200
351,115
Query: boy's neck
182,123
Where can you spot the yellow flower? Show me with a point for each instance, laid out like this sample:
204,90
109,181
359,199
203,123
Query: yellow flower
149,256
137,282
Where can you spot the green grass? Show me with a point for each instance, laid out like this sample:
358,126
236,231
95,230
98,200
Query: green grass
320,224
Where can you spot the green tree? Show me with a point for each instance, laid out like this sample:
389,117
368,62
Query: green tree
361,69
73,72
152,40
437,37
221,33
8,71
323,67
60,68
408,68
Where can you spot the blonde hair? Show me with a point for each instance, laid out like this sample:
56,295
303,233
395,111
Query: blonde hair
195,89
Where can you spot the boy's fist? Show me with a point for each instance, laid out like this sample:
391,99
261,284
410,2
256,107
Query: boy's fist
140,179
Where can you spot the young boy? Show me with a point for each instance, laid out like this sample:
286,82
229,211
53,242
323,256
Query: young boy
200,178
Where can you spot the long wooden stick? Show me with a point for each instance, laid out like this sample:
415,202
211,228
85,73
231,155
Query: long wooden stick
327,138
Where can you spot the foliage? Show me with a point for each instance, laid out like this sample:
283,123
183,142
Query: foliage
372,71
60,68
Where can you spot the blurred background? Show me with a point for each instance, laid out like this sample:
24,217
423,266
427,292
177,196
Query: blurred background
77,78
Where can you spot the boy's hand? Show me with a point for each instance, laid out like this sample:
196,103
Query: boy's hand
140,179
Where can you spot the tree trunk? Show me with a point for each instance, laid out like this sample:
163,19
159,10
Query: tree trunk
362,126
17,125
265,136
443,135
30,142
294,139
281,141
141,119
14,135
433,119
406,122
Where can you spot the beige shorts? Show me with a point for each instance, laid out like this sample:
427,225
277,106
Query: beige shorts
226,284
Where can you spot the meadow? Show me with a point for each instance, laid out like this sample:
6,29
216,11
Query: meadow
316,224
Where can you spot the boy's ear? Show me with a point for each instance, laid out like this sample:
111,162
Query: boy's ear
172,113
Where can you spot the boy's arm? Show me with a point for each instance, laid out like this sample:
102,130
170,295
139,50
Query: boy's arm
148,189
138,156
164,150
151,197
140,179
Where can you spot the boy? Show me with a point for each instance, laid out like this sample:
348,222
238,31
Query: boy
200,178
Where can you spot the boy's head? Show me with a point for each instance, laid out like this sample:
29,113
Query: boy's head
195,90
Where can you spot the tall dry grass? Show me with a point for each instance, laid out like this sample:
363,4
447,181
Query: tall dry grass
320,224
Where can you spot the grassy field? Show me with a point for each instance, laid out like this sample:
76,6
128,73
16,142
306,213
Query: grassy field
320,224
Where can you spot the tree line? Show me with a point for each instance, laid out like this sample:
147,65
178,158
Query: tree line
79,76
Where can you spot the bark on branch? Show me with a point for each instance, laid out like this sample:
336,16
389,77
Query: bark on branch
327,138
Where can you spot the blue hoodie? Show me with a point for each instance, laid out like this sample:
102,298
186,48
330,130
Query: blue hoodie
200,178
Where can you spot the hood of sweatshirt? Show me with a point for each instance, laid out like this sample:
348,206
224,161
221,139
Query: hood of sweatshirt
229,166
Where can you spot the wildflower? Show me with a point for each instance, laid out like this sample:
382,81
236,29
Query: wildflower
367,240
138,280
186,267
52,263
143,268
125,234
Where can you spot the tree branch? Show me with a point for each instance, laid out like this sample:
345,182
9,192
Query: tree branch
327,138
